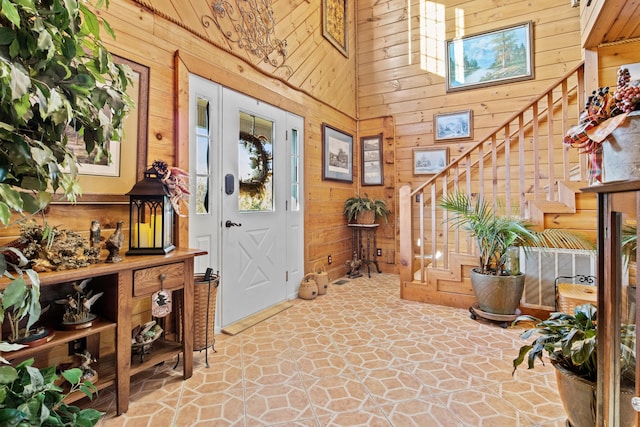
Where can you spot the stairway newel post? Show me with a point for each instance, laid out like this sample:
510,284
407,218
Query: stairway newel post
406,242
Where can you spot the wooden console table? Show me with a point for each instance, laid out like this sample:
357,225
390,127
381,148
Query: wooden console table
134,279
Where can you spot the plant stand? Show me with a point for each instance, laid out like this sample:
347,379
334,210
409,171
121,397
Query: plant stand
504,319
366,252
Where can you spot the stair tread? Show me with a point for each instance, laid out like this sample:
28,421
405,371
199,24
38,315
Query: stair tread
552,206
576,186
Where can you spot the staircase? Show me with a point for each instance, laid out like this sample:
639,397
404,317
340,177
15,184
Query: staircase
523,167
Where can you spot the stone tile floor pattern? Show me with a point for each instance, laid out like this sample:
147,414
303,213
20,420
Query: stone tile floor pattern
357,356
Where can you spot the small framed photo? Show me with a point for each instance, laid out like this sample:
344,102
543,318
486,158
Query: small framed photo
450,126
428,161
372,160
494,57
337,154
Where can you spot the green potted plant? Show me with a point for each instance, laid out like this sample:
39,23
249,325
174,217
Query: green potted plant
570,342
57,78
497,281
365,210
30,397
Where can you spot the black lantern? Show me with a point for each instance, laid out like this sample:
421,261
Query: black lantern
150,217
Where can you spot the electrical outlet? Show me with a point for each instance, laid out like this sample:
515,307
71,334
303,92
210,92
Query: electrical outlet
378,252
77,346
329,260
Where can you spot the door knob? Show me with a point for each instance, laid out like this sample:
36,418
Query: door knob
230,224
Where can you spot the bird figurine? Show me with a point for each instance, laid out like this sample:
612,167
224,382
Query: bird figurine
78,304
94,234
354,266
114,244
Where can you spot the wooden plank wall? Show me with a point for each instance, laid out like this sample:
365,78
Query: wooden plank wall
395,94
320,87
403,76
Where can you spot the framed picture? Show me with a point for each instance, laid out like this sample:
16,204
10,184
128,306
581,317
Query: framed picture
337,154
99,182
450,126
334,24
372,160
428,161
495,57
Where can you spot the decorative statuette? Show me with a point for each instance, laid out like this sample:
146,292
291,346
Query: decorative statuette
77,313
114,244
88,373
94,234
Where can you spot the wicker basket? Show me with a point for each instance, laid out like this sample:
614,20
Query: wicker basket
205,295
571,295
322,278
308,287
366,217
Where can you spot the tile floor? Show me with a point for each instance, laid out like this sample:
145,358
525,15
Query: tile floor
357,356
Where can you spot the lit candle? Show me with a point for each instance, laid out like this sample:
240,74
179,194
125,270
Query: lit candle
141,235
155,230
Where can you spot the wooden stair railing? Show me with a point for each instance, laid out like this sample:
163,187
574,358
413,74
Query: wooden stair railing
520,161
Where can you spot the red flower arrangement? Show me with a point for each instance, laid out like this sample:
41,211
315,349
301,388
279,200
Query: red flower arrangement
175,182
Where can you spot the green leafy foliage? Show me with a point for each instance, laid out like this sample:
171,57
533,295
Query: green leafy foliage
56,79
571,342
20,301
30,397
495,233
356,204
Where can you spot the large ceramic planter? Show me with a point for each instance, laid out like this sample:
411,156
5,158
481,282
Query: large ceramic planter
497,294
578,398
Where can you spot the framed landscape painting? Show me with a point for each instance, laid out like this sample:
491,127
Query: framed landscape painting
99,181
451,126
428,161
337,154
490,58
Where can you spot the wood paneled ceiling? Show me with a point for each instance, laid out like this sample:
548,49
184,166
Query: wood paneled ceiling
610,21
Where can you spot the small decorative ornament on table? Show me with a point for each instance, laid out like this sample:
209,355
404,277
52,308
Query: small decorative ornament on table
143,337
78,303
94,234
608,131
152,204
114,244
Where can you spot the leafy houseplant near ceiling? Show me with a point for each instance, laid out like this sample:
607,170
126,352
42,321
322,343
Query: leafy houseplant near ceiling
56,78
570,341
365,210
497,282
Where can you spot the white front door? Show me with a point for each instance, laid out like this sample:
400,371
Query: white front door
254,206
246,207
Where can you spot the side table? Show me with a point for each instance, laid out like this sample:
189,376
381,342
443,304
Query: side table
364,250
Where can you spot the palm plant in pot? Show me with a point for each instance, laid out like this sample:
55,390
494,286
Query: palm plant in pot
365,210
497,282
570,342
